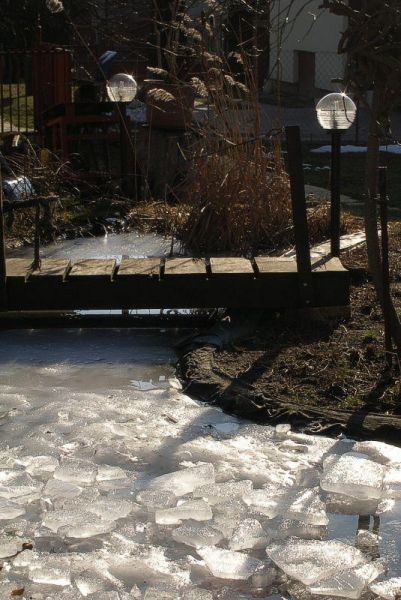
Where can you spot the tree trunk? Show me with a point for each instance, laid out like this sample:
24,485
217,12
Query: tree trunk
372,236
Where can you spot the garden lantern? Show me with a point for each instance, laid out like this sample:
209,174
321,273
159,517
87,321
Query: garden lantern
121,88
336,113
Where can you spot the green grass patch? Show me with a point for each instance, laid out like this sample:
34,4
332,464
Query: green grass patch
16,107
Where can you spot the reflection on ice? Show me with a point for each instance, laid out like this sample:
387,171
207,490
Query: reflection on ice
127,488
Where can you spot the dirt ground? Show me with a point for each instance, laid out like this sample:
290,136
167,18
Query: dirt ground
293,366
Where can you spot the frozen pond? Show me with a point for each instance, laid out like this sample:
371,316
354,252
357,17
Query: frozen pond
112,245
116,485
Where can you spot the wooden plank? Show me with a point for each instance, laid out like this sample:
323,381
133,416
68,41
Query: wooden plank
52,267
269,264
147,267
19,268
93,267
185,266
272,264
332,265
231,266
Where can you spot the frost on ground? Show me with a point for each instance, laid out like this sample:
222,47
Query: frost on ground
141,492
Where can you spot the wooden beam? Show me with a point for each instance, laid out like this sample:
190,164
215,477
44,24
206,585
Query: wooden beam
298,201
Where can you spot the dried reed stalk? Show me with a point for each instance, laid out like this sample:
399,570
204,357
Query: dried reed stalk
237,190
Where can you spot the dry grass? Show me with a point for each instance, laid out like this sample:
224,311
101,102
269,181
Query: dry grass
237,191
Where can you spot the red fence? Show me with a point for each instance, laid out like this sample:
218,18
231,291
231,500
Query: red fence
30,82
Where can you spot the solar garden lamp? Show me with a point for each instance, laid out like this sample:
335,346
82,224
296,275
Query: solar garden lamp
122,89
336,113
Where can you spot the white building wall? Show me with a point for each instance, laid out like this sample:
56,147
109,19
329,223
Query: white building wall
312,30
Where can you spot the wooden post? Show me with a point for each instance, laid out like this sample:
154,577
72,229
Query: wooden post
295,169
385,264
3,272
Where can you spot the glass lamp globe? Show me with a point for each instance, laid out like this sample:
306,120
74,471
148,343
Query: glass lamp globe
336,111
121,88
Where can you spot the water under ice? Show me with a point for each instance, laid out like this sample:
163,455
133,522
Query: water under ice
125,491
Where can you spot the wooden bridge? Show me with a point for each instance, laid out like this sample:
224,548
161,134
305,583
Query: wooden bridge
179,282
272,283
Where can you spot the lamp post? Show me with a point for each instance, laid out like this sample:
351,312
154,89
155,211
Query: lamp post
336,112
122,89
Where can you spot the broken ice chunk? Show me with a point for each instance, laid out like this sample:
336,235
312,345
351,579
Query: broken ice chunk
389,589
282,430
197,594
229,565
198,510
309,508
366,540
10,510
154,499
197,534
89,582
184,481
22,494
218,492
162,591
346,505
109,473
39,466
263,502
248,534
227,428
350,583
310,561
57,489
379,451
286,528
76,471
111,508
50,570
392,481
9,546
227,517
76,523
353,475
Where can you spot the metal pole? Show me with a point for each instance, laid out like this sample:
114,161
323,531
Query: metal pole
3,272
385,264
335,191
